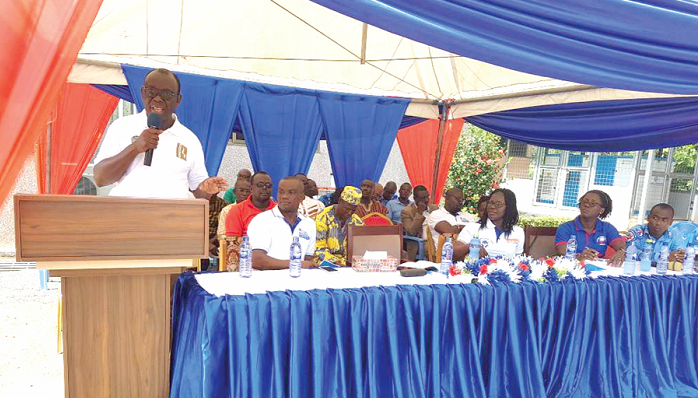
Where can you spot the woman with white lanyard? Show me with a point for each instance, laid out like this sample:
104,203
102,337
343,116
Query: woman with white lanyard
498,233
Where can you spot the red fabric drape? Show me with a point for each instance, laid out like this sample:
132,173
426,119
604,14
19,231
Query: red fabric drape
39,43
418,147
81,115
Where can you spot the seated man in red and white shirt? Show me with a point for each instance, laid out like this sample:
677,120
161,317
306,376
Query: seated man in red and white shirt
309,207
368,205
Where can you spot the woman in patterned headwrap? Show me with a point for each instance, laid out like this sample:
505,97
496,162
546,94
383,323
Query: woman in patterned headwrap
332,224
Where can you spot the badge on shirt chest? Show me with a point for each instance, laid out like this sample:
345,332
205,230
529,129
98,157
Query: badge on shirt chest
601,240
303,235
181,151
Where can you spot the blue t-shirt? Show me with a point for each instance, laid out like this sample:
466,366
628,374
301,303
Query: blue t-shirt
639,234
395,210
684,233
604,234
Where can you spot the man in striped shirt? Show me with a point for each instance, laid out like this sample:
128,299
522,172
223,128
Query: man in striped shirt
309,207
369,205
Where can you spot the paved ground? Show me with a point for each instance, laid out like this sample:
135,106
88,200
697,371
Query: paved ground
29,363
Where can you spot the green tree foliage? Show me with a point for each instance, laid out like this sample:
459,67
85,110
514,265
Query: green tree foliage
684,162
477,165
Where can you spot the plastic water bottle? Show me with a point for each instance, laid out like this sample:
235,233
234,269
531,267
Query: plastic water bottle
571,251
474,254
689,260
630,260
245,267
294,265
663,262
446,257
646,258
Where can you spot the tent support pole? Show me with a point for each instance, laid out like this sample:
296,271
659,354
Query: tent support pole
364,37
48,157
443,111
645,185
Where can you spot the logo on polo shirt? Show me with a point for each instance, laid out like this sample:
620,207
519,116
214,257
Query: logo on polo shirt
181,151
485,242
601,240
304,235
631,235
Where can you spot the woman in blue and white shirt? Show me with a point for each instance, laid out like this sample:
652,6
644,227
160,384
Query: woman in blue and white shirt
499,235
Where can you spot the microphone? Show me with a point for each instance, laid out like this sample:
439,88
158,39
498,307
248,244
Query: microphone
154,122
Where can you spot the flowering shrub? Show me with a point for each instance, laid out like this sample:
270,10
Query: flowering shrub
541,221
477,165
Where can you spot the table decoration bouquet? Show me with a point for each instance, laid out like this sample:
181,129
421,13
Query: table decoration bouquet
496,270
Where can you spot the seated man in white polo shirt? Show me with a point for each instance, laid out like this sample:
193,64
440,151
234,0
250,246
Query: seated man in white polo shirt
177,170
271,232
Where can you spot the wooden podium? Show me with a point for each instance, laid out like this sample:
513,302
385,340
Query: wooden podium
117,258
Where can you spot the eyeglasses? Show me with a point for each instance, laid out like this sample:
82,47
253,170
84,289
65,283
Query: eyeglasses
496,205
164,94
262,185
589,203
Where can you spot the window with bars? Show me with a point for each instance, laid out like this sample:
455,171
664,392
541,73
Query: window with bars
614,169
85,187
236,137
521,163
567,170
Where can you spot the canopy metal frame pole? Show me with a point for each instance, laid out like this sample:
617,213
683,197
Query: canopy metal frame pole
645,185
443,115
48,157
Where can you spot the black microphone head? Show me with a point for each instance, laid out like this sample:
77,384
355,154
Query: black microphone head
155,121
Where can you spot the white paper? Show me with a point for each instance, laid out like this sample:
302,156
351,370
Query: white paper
375,255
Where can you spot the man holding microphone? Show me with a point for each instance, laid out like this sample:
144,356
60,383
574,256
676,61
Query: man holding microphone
177,169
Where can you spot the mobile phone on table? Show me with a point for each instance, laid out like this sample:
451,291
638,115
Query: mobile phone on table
328,266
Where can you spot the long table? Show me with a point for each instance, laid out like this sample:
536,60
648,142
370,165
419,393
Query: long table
346,334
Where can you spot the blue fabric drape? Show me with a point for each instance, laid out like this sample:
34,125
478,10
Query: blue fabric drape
208,108
121,92
642,46
408,121
605,337
360,132
282,128
600,126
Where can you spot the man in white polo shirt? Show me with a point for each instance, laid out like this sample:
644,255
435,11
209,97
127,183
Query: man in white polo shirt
271,232
177,170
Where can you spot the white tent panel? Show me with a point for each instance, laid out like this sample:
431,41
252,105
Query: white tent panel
298,43
293,39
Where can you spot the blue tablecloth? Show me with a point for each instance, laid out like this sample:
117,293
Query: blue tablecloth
604,337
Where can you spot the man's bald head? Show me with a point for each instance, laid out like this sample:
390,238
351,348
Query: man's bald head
377,191
244,174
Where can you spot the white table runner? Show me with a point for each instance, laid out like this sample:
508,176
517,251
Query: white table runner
231,283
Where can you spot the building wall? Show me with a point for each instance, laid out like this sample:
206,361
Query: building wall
26,183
